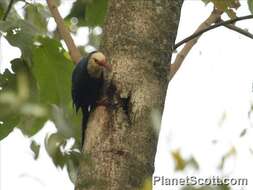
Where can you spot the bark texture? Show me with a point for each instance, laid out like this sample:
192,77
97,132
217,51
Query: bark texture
120,142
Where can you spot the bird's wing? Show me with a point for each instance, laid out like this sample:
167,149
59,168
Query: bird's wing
77,83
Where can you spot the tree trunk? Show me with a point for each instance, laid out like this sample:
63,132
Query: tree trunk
120,142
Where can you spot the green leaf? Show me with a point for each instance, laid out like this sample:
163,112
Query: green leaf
18,100
96,6
12,15
52,71
89,12
78,11
30,125
182,163
207,187
243,132
230,153
67,122
8,81
20,34
227,6
73,160
179,161
231,13
1,11
206,1
147,184
35,147
9,122
193,163
25,81
19,84
18,26
250,4
8,119
61,120
53,144
36,14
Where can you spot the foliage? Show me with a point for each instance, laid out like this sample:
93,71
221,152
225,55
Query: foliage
219,187
228,6
84,11
37,88
231,152
35,147
250,4
147,184
181,163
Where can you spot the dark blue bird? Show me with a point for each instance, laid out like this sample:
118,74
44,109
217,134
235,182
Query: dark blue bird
87,83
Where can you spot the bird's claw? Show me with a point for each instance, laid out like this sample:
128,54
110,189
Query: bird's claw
103,102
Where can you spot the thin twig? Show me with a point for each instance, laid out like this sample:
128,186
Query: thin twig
210,28
64,32
8,10
215,15
239,30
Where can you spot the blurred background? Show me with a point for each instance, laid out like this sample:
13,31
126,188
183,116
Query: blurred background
207,122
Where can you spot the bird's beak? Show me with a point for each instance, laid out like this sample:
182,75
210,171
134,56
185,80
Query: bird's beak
106,65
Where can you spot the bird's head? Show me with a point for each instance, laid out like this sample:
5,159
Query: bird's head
96,64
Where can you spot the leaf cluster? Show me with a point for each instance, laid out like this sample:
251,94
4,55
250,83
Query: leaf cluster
37,88
229,6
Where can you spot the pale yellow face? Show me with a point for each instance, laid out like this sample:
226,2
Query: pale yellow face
98,57
95,68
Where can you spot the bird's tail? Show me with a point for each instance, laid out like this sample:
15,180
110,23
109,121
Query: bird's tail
84,123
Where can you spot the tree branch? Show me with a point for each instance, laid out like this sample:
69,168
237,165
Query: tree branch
215,15
239,30
64,32
8,10
212,27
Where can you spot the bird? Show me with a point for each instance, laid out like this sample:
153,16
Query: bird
87,84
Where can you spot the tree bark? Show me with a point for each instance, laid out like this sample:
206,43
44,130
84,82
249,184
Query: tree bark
120,142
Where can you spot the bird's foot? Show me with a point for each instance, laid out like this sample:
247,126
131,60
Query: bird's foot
103,102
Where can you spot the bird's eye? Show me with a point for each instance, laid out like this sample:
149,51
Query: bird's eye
95,60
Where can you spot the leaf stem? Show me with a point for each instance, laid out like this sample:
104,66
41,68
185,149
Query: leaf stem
8,10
